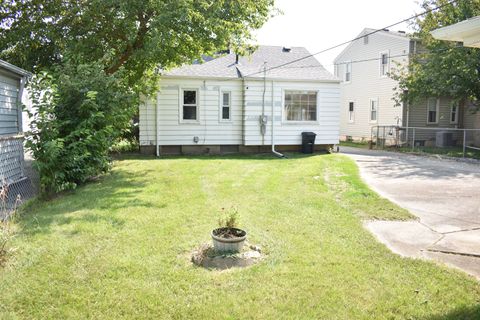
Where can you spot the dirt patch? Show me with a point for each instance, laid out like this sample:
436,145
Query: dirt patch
206,256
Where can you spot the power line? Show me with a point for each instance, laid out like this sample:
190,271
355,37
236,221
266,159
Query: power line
357,38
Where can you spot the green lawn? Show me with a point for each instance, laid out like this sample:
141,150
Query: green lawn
119,248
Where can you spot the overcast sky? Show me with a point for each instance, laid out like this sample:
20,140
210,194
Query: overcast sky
319,24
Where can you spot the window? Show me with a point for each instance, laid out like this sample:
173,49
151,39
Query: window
373,110
226,105
300,106
348,71
351,112
190,105
454,114
365,40
432,110
384,65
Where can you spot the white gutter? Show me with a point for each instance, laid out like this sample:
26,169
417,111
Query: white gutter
273,128
467,31
157,148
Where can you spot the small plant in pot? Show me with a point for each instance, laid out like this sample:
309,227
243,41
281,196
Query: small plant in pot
228,237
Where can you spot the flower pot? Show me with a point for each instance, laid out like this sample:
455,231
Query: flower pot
228,239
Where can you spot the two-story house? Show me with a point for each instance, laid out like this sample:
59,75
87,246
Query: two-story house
367,91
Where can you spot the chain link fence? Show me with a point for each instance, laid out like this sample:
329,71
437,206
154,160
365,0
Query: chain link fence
18,180
444,141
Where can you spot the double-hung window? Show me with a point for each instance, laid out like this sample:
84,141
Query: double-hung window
384,64
373,110
433,105
226,106
454,114
189,106
348,72
351,112
300,105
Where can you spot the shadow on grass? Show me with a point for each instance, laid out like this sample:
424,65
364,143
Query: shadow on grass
467,313
112,192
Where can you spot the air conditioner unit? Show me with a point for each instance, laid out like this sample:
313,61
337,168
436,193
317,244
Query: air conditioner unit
444,139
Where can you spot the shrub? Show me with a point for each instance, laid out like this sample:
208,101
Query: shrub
79,112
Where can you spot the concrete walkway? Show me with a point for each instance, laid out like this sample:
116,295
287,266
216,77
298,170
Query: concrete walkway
443,194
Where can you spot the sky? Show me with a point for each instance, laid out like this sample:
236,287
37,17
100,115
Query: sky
319,24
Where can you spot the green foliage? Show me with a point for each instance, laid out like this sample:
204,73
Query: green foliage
99,57
228,218
79,114
441,68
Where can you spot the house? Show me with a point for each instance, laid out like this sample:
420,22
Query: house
12,177
467,32
367,91
257,103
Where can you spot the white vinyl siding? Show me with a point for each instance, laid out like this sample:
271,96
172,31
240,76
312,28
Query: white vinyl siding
9,88
367,83
433,110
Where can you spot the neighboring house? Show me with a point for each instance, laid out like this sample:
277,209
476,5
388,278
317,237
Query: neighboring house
12,177
367,90
467,32
229,104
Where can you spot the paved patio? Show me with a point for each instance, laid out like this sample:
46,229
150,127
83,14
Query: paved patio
443,194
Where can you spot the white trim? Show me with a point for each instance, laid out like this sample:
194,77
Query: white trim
317,110
380,65
437,110
353,112
220,105
370,110
180,105
456,114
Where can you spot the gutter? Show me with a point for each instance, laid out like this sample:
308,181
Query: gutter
157,147
278,154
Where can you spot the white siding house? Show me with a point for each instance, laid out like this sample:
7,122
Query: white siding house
229,104
366,88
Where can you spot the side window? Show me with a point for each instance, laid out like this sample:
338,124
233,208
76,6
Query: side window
373,110
190,104
454,114
226,105
384,64
351,111
348,71
432,110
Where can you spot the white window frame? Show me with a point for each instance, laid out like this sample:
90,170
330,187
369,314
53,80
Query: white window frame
351,114
180,105
370,110
437,110
387,52
456,114
284,114
346,64
221,105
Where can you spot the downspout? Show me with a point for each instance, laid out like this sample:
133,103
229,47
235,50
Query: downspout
273,128
157,151
263,120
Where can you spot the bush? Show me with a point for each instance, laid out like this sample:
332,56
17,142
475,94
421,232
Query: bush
79,112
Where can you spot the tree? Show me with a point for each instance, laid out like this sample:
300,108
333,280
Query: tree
93,60
441,68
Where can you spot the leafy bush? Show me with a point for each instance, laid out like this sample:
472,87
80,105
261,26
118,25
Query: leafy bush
228,218
79,112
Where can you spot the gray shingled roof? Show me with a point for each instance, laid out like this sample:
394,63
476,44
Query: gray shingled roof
252,66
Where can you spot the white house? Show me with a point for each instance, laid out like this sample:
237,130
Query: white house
467,31
367,91
231,104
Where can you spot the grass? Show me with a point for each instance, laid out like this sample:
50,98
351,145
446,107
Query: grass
120,248
355,144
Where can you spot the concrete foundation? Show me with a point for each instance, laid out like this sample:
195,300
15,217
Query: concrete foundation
225,149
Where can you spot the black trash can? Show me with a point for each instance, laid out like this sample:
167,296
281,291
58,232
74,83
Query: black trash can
308,141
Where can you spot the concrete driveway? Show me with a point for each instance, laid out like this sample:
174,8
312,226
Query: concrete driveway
443,194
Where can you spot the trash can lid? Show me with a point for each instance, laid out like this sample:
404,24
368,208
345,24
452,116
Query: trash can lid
309,134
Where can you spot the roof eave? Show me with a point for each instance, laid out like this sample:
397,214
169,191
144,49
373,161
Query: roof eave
14,69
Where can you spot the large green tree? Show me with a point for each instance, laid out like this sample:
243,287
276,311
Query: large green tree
441,68
93,60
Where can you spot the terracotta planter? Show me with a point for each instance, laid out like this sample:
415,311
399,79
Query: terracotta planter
228,239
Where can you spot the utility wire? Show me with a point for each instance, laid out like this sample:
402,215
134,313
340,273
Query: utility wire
357,38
